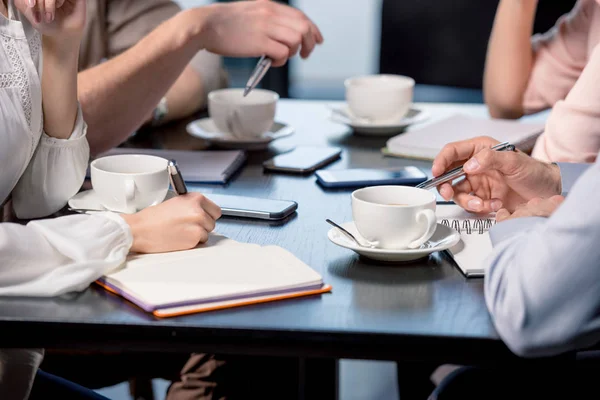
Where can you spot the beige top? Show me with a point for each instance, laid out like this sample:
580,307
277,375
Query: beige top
565,77
113,26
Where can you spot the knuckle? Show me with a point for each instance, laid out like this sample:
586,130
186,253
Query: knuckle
536,201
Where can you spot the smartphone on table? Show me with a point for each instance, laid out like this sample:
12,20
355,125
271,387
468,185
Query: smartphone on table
303,159
253,207
361,177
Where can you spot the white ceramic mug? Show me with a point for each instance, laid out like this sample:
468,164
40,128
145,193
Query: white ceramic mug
243,117
394,217
379,98
128,183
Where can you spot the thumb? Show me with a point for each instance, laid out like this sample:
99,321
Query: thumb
505,162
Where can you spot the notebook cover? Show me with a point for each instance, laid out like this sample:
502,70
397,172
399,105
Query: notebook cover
221,305
195,164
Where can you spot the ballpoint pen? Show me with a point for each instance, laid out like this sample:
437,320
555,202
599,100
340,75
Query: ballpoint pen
176,179
458,171
259,72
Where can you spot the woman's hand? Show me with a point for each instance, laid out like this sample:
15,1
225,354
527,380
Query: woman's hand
56,18
180,223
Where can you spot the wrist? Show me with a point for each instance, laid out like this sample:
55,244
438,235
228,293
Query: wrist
193,21
135,227
61,49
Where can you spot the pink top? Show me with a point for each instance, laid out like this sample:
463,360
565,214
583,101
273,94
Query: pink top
566,76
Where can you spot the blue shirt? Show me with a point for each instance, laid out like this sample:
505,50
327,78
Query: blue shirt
542,284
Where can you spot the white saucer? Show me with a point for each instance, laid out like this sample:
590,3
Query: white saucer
443,238
343,115
206,129
88,201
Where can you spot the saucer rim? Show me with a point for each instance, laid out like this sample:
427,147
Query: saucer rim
267,137
361,250
87,191
402,123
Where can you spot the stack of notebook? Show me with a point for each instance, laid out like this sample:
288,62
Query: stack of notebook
196,166
220,274
425,143
475,246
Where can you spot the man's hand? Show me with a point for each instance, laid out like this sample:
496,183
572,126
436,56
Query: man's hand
494,179
536,207
255,28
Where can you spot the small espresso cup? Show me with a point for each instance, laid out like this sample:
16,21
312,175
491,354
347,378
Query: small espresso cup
394,217
243,117
379,98
128,183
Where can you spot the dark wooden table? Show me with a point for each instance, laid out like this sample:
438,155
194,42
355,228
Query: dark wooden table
425,311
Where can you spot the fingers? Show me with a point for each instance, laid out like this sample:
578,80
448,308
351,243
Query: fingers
459,152
278,52
297,20
49,10
213,210
502,215
288,36
505,162
446,191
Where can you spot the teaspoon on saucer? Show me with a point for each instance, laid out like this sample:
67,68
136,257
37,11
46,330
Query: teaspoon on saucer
351,236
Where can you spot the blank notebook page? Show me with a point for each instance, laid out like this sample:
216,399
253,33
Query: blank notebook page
223,271
427,142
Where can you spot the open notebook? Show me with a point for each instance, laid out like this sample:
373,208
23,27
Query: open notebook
196,166
425,143
475,245
221,274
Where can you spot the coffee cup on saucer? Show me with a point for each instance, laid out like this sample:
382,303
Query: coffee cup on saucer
128,183
394,217
243,117
379,98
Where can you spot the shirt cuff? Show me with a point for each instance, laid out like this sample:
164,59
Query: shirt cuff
79,132
569,173
122,224
508,229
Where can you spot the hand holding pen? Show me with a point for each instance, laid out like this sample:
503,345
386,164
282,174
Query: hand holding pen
494,179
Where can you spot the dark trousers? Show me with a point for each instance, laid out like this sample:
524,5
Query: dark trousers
567,382
47,386
196,376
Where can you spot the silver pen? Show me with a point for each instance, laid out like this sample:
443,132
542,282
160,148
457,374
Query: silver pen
176,179
458,171
259,72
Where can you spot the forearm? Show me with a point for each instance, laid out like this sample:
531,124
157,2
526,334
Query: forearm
119,95
509,58
59,86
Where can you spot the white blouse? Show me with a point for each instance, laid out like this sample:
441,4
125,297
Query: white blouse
54,256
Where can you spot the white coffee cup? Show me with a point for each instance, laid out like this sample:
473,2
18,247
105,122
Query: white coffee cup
243,117
394,217
128,183
379,98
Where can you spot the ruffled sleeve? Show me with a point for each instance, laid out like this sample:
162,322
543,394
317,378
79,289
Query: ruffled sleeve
55,256
54,174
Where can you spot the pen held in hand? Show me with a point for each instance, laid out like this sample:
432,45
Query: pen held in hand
458,171
259,72
176,178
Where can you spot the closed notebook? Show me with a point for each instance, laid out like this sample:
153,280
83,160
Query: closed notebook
196,166
425,143
220,274
475,245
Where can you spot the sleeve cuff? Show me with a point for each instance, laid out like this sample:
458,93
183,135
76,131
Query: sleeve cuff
122,224
569,173
508,229
78,134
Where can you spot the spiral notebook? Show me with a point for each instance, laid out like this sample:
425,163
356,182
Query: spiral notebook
475,245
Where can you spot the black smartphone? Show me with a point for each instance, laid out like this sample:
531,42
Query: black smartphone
253,207
361,177
303,159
